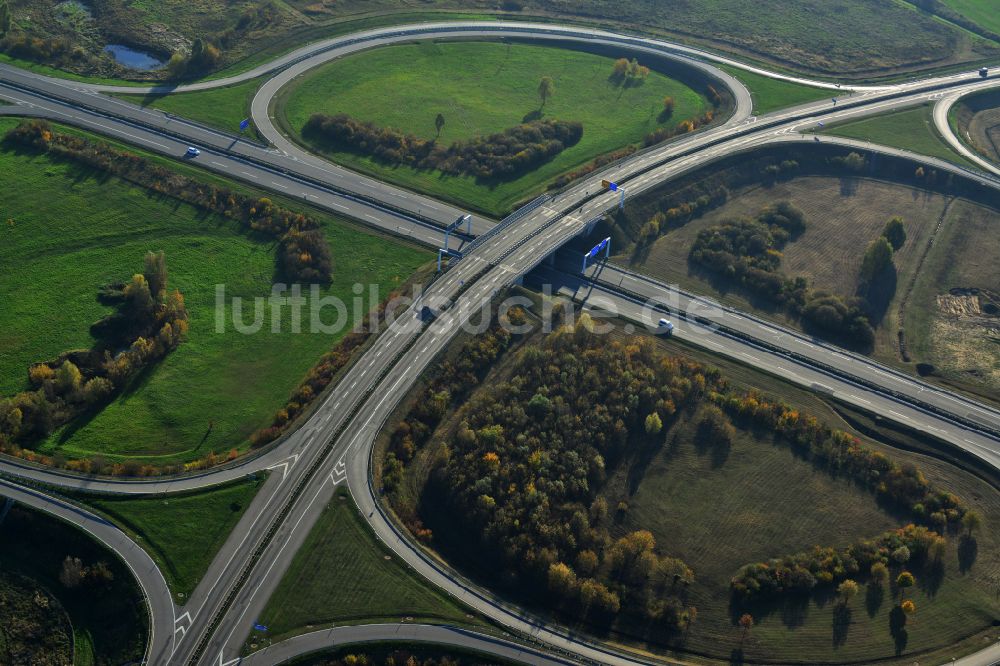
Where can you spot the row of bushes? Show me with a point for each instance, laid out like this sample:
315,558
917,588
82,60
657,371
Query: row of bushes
824,566
144,329
259,215
661,134
904,486
504,155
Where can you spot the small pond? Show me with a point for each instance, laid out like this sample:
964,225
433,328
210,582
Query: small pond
132,58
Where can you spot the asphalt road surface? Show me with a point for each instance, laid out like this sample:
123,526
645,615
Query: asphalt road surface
335,444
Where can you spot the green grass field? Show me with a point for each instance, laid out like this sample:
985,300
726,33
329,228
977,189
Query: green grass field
215,389
911,129
406,86
181,532
223,108
344,575
773,94
983,12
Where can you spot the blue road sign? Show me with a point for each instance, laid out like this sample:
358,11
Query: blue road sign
613,187
597,248
245,123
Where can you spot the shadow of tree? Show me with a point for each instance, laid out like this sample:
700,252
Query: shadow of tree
874,597
841,624
897,628
968,549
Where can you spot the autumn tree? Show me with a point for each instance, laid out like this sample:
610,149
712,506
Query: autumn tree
668,107
847,591
879,574
895,233
5,20
654,424
908,607
971,521
156,274
877,258
903,581
546,88
746,622
72,572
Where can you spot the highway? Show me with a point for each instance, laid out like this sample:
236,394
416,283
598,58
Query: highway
335,444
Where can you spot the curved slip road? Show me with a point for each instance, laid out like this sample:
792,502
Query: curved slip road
942,108
336,637
151,582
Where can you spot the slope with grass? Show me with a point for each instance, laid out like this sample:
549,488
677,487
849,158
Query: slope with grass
769,94
719,507
343,575
911,129
855,38
181,532
405,87
215,389
223,108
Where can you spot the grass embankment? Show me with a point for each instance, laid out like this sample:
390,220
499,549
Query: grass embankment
720,508
108,616
912,129
842,217
770,94
223,108
69,230
181,532
406,86
344,575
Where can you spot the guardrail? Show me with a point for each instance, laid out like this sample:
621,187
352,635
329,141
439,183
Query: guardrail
507,222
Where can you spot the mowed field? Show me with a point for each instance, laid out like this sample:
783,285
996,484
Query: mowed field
481,88
344,575
223,108
719,509
953,317
68,231
910,129
182,532
842,217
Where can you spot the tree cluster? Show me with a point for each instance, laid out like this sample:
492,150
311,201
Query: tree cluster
628,73
144,328
873,558
403,657
203,58
504,155
259,215
748,253
904,486
526,458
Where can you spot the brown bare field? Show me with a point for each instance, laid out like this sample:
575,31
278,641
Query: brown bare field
842,217
953,317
